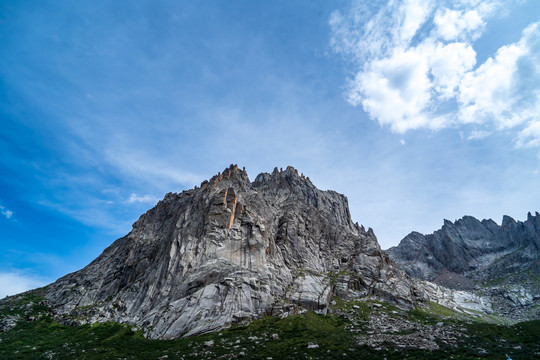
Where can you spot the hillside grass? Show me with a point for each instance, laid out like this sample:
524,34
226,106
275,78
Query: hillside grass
270,337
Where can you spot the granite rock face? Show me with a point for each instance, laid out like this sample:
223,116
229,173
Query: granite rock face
229,251
500,262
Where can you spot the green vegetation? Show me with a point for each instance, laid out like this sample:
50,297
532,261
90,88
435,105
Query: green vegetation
333,276
434,313
29,304
302,336
355,310
494,282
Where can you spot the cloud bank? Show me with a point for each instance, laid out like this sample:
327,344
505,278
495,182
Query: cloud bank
417,67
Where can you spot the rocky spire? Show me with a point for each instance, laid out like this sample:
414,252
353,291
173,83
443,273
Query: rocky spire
232,251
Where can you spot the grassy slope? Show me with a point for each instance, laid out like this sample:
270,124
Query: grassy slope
47,339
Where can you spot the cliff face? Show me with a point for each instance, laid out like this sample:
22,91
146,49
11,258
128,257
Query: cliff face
502,261
229,251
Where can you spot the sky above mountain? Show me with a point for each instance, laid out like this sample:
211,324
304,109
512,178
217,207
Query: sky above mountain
416,110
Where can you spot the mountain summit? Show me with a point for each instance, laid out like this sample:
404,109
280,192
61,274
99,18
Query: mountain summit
229,251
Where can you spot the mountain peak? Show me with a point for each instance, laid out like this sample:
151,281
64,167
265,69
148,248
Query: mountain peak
232,251
290,175
506,221
231,172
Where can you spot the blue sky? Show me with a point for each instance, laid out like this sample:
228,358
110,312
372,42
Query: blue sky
416,110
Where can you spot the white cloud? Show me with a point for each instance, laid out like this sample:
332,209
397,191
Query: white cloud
417,67
488,92
448,64
457,25
530,136
398,89
6,212
147,199
413,13
478,134
12,283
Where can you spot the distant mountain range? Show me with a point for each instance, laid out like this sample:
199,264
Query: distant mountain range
498,261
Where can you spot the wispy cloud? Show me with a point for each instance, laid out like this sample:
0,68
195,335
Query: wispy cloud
530,136
478,134
146,199
6,212
148,168
417,67
12,283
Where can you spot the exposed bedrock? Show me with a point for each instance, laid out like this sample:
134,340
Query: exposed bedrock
229,251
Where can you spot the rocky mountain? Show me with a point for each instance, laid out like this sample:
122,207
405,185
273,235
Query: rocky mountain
500,262
230,251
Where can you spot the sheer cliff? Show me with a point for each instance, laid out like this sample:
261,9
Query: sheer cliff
229,251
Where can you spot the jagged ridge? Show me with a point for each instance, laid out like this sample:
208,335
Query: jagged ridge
501,261
229,251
